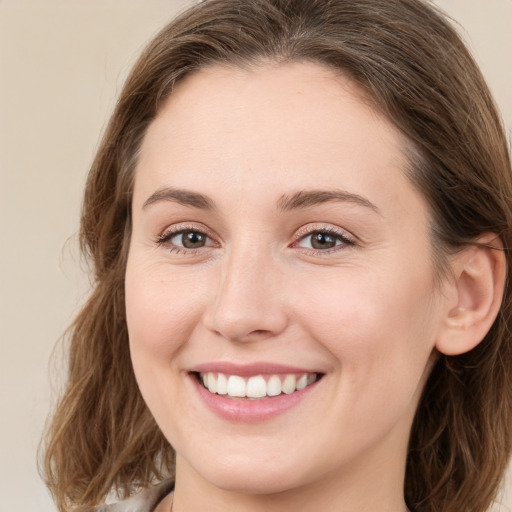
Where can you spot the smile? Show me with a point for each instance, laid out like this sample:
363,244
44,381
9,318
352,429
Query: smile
252,392
257,386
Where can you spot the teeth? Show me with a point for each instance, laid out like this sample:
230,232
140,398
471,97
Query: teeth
222,384
274,387
236,385
212,383
256,386
288,384
302,382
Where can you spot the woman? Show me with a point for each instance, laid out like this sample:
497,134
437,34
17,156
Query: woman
299,219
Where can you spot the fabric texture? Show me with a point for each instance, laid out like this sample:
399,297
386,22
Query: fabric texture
145,501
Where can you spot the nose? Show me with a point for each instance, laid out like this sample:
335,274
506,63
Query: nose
249,303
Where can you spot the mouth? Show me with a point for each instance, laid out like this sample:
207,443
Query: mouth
255,387
253,392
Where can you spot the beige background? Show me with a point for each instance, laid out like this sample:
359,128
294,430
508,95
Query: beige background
62,63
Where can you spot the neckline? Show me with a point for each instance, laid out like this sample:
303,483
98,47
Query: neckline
161,491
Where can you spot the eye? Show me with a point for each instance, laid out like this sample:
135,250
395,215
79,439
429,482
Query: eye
189,239
183,239
324,239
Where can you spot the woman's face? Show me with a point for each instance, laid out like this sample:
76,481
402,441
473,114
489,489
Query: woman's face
277,243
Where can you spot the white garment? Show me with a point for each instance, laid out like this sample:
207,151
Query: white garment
145,501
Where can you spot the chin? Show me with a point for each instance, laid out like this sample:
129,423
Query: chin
247,475
254,481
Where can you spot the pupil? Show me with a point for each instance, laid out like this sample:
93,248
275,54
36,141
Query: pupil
192,240
323,241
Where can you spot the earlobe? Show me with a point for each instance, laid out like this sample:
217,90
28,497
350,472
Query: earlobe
475,297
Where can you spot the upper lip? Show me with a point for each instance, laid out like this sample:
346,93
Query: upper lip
248,369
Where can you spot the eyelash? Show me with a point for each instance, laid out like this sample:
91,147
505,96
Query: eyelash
302,234
166,236
340,235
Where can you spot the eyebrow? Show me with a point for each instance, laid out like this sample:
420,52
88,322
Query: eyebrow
298,200
184,197
307,198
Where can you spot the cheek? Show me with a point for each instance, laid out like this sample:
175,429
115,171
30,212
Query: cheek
162,310
379,326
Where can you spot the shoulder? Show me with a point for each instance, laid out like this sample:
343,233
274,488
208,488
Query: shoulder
145,501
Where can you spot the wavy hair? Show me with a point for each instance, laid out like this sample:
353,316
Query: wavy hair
412,64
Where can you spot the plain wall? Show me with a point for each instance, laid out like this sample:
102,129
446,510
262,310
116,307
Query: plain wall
62,64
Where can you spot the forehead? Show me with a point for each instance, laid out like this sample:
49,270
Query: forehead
296,101
269,128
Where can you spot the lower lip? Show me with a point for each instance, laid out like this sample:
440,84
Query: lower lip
248,411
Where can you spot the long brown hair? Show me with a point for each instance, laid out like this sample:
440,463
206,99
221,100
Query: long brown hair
417,71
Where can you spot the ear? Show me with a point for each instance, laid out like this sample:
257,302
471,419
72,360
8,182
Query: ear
473,296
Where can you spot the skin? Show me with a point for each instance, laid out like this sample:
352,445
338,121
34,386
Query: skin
366,314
